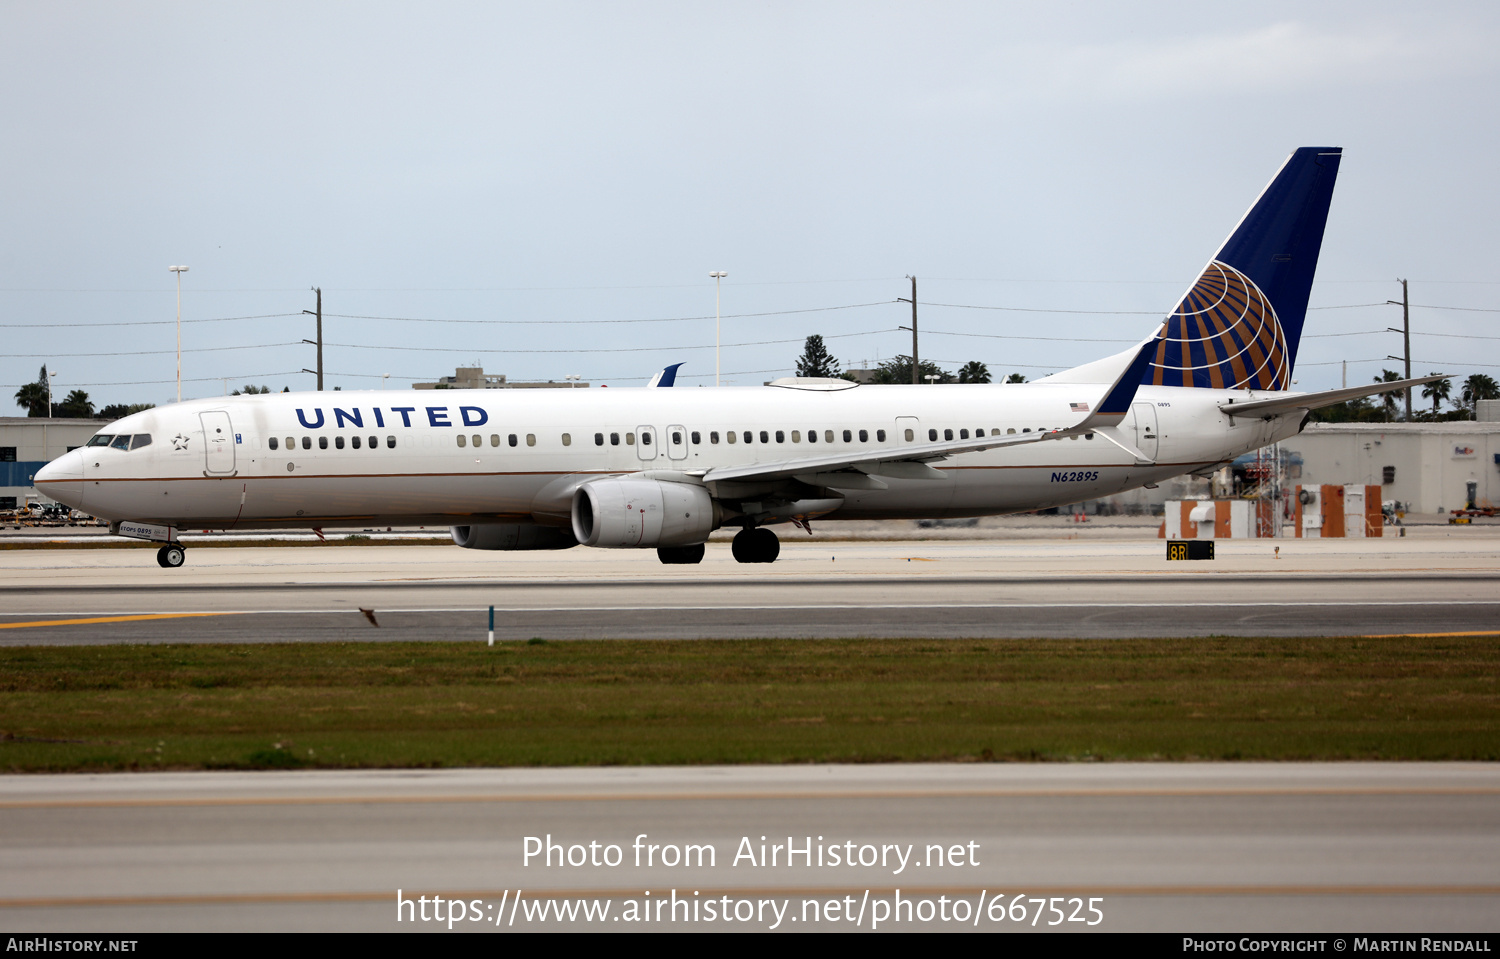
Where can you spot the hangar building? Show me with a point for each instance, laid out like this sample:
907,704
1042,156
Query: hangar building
27,443
1425,465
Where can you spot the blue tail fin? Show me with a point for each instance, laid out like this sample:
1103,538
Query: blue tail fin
1238,327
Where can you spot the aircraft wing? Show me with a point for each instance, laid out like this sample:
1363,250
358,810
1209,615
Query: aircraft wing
1315,401
909,462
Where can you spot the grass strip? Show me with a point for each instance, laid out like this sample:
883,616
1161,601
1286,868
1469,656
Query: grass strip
740,701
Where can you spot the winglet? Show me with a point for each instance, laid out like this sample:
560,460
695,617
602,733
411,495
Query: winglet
1117,399
666,377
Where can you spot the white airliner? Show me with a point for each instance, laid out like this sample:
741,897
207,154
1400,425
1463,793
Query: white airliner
662,468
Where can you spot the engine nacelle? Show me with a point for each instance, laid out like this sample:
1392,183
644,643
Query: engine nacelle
630,513
512,536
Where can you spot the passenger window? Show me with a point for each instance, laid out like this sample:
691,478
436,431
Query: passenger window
780,436
461,439
812,436
307,442
749,437
1010,431
530,439
880,435
828,436
848,436
354,441
947,434
796,436
511,439
645,439
697,438
122,442
910,436
390,442
1026,430
567,439
272,442
676,438
713,437
374,442
732,437
322,442
963,434
629,439
494,439
932,435
614,439
864,436
477,440
338,441
598,439
765,437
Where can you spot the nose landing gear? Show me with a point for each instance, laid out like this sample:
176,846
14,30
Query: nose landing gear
755,545
171,556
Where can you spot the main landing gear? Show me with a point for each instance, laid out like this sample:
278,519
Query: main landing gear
171,556
755,545
680,555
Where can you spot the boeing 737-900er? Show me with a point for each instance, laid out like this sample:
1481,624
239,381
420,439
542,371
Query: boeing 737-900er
663,468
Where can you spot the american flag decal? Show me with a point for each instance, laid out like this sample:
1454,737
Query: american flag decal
1078,407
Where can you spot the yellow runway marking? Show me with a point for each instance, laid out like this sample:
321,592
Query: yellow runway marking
741,796
1477,632
495,894
107,619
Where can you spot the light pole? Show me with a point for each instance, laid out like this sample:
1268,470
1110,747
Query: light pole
383,378
179,270
931,378
50,374
717,275
573,379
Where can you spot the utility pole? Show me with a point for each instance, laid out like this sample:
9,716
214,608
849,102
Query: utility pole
319,342
716,276
916,365
1405,331
179,270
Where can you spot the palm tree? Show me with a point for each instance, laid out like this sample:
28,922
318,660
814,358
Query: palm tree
974,372
1439,390
1479,387
77,404
1015,378
35,396
1389,400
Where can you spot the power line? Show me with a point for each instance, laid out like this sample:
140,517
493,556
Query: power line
203,349
627,349
211,319
664,319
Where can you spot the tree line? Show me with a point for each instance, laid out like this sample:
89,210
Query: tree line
1391,407
76,405
817,361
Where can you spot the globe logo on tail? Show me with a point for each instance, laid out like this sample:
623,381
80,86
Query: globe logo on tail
1223,335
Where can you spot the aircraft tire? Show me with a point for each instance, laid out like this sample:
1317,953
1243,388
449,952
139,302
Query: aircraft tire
743,546
767,546
171,556
680,555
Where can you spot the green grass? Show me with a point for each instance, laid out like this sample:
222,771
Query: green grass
626,702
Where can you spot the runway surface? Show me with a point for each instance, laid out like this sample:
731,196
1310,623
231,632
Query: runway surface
1203,847
1107,586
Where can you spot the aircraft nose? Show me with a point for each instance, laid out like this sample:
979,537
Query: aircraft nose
62,479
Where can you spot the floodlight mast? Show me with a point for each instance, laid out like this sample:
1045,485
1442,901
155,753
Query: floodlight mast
179,270
717,276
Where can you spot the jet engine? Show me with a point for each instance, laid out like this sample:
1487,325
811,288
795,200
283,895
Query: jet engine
629,513
512,536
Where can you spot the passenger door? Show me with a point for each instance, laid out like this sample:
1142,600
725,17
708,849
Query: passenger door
908,430
218,443
1145,428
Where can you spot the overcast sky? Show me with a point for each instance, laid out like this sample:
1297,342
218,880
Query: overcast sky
526,167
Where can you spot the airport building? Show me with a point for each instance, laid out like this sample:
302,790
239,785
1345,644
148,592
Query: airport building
475,378
1426,466
27,444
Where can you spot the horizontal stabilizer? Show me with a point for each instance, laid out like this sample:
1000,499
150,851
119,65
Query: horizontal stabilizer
1316,401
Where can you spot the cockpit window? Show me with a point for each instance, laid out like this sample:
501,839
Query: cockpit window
122,442
101,439
140,439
